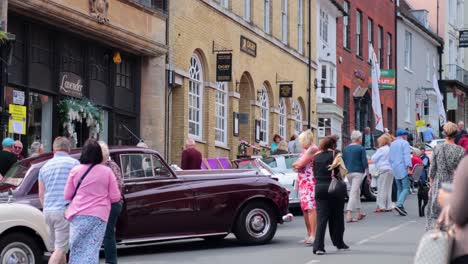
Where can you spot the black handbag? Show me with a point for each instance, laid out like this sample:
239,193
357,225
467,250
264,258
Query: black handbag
337,188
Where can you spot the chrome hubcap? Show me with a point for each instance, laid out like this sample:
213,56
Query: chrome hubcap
17,253
257,223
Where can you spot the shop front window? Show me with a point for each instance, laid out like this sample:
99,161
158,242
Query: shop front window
40,120
324,126
195,97
264,115
297,111
221,114
282,118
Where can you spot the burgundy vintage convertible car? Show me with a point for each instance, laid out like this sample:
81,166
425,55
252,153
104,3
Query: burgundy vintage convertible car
161,204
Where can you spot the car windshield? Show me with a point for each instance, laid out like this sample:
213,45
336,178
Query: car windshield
247,164
281,163
15,175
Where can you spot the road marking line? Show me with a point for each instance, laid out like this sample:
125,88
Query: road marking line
313,261
390,230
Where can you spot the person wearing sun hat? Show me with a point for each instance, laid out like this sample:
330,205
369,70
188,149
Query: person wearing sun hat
7,157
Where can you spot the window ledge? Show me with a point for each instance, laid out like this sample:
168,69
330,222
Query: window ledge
222,146
360,57
408,70
348,49
199,141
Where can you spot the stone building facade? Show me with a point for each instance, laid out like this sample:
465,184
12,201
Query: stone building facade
268,43
115,50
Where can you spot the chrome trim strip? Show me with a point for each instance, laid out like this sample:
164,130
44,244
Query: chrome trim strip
156,239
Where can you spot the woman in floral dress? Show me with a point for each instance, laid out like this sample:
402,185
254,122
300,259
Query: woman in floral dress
306,183
445,160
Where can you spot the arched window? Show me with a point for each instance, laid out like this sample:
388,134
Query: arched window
297,112
195,97
221,113
264,115
282,118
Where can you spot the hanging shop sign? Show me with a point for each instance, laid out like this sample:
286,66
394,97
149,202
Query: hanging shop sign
387,79
17,122
286,90
463,39
71,84
248,46
223,67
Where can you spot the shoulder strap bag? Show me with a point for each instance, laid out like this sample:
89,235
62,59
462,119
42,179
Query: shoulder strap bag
337,187
80,181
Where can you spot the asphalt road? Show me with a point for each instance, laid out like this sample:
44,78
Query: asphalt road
380,238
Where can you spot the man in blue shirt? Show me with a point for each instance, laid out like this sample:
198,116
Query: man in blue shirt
428,135
52,179
400,161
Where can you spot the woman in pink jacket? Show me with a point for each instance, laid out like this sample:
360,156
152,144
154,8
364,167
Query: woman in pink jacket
91,188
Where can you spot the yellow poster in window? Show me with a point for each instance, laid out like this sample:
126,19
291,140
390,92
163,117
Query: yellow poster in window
17,122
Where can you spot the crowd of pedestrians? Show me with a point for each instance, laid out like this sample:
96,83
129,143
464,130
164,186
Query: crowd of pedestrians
395,161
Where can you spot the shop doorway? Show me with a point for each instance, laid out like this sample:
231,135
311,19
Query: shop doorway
246,115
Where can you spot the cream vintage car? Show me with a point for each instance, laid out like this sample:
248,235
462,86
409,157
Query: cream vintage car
23,234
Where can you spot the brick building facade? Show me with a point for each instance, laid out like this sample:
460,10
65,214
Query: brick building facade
204,109
377,24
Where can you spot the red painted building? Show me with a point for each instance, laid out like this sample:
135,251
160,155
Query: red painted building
367,21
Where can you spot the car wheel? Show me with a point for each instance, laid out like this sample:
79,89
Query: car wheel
369,193
18,248
215,238
256,224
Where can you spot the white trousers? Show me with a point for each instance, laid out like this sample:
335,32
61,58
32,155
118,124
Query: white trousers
384,189
355,181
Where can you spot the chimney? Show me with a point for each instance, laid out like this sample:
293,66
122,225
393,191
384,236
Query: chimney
421,15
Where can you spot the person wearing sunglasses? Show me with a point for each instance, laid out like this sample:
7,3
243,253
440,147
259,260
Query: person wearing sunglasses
18,149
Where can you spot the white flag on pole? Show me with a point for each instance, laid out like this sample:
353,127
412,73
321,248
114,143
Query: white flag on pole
375,90
440,100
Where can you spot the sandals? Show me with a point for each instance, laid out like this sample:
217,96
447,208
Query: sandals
361,216
378,210
352,220
309,241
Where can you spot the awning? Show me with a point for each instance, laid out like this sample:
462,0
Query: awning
359,92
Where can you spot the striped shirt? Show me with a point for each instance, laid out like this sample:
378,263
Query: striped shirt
54,176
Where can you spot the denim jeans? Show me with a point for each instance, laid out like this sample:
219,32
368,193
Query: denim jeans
110,247
403,187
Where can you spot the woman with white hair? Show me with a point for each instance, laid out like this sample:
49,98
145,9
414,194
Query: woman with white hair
110,247
355,158
306,180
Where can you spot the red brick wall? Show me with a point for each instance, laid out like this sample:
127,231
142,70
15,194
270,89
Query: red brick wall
382,12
